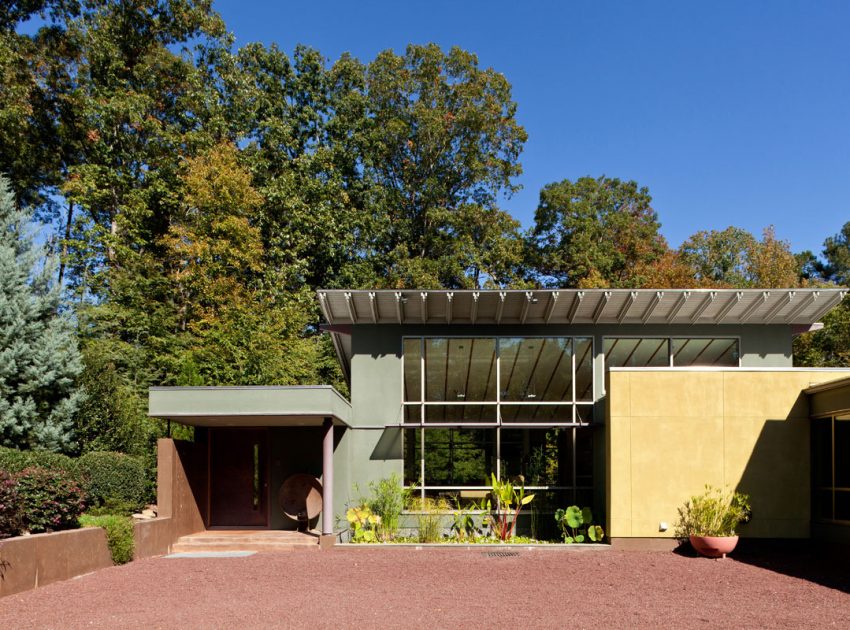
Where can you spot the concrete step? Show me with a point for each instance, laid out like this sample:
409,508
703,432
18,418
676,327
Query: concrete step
252,540
248,540
179,547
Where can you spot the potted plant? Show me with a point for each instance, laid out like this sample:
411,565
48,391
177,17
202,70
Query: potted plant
710,520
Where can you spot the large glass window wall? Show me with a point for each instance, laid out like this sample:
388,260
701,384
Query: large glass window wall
513,407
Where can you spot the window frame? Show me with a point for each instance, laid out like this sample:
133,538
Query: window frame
832,488
572,426
669,338
498,403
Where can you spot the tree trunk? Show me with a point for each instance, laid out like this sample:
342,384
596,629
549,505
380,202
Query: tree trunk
64,255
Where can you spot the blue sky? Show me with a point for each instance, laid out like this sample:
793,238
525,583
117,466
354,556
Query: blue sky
731,113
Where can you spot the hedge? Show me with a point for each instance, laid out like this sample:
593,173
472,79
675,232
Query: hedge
113,481
119,534
12,460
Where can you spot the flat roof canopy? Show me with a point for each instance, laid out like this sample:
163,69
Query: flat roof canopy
830,398
249,406
574,306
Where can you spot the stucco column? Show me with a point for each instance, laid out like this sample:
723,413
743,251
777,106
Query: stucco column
327,477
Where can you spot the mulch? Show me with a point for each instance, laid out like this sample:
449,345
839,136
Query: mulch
447,588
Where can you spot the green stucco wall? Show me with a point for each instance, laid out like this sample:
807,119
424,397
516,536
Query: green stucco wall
376,371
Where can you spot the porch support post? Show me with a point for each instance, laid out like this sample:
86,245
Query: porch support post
328,537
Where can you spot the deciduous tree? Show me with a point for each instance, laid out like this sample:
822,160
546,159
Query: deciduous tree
595,232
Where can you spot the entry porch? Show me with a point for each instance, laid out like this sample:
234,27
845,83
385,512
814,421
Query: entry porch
251,446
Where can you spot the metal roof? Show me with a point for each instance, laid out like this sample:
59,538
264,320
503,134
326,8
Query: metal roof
575,306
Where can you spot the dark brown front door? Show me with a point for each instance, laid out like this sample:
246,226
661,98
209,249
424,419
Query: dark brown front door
238,478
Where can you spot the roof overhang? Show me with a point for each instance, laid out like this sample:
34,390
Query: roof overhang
829,398
249,406
575,306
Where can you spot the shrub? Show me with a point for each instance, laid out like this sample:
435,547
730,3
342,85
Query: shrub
388,499
10,506
713,513
50,500
12,460
119,534
114,480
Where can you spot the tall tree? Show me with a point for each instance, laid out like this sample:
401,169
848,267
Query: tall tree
735,258
39,359
442,140
595,232
830,346
836,251
300,124
237,325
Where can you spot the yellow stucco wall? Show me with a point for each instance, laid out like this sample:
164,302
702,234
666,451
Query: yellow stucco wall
670,432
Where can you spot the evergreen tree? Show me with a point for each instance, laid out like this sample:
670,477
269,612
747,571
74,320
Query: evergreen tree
39,358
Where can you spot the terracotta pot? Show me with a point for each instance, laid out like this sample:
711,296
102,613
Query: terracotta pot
713,546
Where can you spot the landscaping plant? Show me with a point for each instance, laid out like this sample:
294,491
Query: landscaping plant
463,524
50,500
388,499
509,502
715,512
577,525
429,518
14,460
363,523
119,534
113,481
10,506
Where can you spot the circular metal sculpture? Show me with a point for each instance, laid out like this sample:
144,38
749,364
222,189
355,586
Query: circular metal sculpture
301,497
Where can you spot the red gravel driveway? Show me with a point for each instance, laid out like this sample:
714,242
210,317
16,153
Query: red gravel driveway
406,588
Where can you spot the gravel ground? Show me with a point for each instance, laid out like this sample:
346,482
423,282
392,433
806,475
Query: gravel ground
406,588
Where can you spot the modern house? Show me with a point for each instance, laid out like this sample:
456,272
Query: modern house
628,401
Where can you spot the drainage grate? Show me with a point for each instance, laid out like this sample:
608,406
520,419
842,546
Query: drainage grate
501,554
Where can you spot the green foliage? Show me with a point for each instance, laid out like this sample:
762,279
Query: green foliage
51,500
735,258
38,346
713,513
830,346
510,500
836,251
363,524
110,417
464,525
429,518
577,526
119,534
595,232
387,501
14,460
441,145
10,505
114,480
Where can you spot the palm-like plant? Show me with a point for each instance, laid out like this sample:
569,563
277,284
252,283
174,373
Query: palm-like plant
509,502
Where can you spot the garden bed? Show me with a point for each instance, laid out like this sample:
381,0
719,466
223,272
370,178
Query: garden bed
524,546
